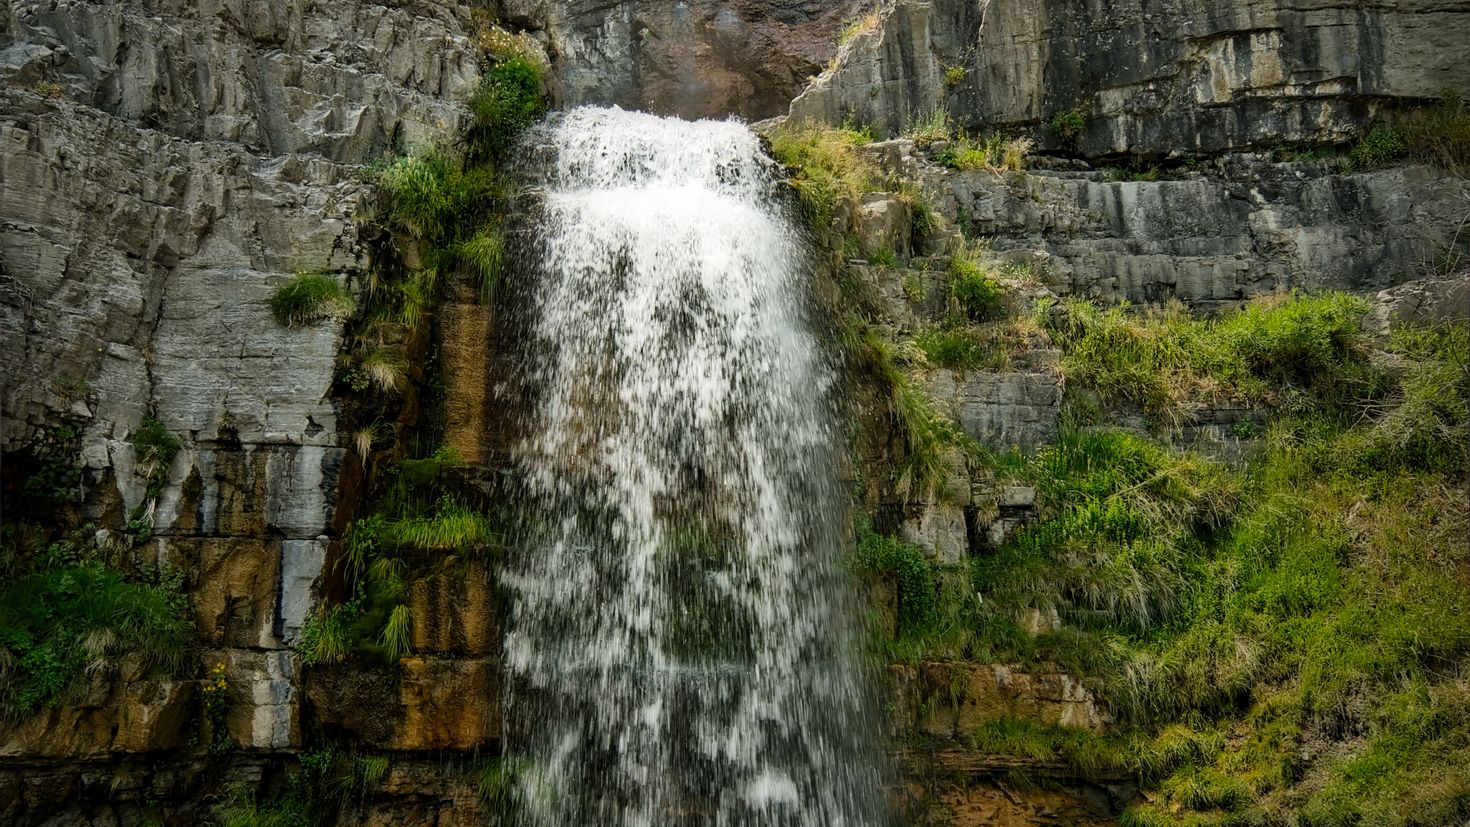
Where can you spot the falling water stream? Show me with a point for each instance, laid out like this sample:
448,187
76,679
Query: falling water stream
680,645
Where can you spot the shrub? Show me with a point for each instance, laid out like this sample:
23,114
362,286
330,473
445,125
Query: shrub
507,101
309,297
907,565
57,625
954,76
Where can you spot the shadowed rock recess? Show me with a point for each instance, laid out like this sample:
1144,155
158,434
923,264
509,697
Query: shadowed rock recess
1145,326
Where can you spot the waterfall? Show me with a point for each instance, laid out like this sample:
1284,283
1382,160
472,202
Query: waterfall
680,645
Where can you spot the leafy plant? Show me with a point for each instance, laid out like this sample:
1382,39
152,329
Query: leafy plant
1379,146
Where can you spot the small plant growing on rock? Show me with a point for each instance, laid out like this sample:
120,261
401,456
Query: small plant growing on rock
1381,145
1068,125
395,635
954,76
972,290
310,297
216,689
826,165
932,128
154,449
857,26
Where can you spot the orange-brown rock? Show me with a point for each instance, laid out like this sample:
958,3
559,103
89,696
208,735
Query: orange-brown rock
427,703
232,586
465,341
453,609
116,717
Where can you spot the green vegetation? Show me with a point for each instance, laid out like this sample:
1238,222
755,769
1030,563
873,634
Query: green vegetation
857,26
910,571
154,449
1379,146
310,297
240,809
1437,134
60,624
508,100
1068,125
954,76
928,434
1283,350
826,167
934,127
993,153
1309,609
972,290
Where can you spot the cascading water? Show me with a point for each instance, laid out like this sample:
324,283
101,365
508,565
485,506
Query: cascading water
680,647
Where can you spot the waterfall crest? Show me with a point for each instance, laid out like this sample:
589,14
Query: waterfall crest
680,645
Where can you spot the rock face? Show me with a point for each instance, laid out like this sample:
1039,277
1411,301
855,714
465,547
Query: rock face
1148,77
164,166
695,59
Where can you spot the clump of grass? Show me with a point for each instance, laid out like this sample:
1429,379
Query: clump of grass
993,153
927,433
933,127
1439,134
974,294
826,165
324,636
241,809
1279,348
1068,125
450,527
857,26
154,449
960,345
431,193
484,253
310,297
385,369
395,635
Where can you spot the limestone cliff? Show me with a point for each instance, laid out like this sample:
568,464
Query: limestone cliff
1161,79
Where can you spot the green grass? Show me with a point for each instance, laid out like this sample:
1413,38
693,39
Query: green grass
826,167
1287,350
906,564
239,808
56,625
1311,609
1068,125
310,297
154,449
450,526
973,291
993,153
928,434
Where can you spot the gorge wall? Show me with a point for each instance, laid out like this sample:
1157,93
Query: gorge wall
164,166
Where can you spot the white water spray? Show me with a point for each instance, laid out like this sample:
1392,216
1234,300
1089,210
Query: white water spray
679,649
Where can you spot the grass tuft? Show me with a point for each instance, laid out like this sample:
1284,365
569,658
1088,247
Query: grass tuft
310,297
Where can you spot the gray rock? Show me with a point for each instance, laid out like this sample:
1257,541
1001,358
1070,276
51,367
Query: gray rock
1147,77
